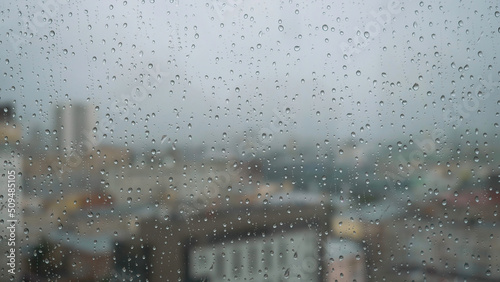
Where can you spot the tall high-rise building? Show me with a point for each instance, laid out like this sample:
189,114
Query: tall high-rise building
74,123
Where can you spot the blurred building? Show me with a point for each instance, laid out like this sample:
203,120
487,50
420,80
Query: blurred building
74,126
453,237
10,131
265,242
346,261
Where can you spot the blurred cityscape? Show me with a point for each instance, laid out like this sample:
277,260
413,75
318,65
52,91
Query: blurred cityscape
392,211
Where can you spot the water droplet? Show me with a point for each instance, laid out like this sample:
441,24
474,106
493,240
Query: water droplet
287,273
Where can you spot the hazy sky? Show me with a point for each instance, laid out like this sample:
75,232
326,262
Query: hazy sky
227,66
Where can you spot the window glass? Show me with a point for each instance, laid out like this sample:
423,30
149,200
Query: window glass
231,140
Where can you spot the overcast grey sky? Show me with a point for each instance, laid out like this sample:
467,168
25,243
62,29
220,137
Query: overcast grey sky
227,68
